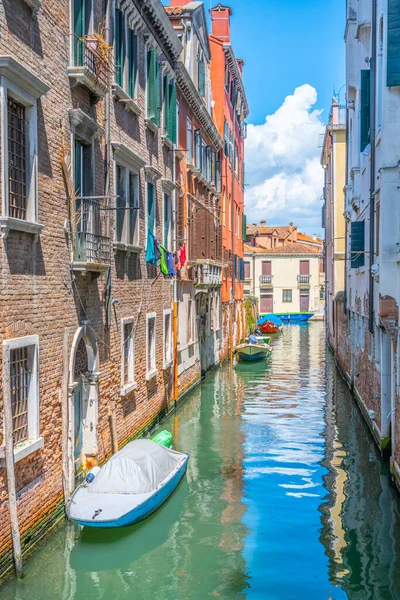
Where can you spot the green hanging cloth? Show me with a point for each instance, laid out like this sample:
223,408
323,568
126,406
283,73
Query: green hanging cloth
163,262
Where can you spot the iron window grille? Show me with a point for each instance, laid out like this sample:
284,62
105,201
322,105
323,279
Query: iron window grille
20,376
16,159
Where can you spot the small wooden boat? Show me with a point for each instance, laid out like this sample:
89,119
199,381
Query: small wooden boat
252,352
269,323
295,317
134,483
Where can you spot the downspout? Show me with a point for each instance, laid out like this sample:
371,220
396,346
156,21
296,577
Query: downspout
345,209
233,218
372,172
175,284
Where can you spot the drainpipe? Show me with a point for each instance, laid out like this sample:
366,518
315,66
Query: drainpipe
175,282
233,219
372,174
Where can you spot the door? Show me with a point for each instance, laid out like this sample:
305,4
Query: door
386,387
304,267
266,303
266,267
304,302
78,428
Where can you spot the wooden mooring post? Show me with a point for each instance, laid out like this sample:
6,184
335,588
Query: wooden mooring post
9,451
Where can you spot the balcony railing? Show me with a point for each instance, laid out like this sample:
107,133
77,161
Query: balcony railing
265,279
93,64
208,273
91,243
303,279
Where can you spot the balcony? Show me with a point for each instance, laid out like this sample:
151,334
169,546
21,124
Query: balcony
303,279
208,273
93,65
91,243
265,280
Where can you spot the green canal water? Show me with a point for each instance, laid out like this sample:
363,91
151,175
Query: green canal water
285,498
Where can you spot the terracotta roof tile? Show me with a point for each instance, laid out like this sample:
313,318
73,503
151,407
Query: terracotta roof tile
173,10
295,248
308,238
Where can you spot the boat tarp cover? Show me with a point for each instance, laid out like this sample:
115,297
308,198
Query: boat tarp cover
136,469
270,317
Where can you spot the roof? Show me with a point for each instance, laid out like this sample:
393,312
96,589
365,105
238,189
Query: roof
287,249
303,237
173,10
282,230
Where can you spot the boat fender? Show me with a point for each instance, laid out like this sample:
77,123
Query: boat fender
96,513
90,477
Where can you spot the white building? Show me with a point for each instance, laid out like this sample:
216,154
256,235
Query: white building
287,278
369,354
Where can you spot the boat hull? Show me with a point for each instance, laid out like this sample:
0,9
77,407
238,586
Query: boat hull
252,352
295,317
143,510
269,327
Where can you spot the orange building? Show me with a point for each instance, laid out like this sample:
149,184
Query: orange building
230,109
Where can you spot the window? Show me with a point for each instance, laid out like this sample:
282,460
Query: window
127,206
212,316
286,295
82,19
23,356
190,329
19,146
231,158
167,339
151,207
365,109
216,314
169,109
189,141
377,228
226,139
227,77
362,333
357,244
198,150
152,91
132,62
167,242
393,71
151,370
128,357
120,47
246,270
201,76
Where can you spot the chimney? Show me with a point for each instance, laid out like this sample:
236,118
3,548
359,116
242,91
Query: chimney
335,112
314,237
220,19
179,2
263,223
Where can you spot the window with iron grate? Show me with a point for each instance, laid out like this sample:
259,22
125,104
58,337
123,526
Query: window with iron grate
17,197
19,381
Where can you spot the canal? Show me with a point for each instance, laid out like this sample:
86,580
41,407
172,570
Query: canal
285,498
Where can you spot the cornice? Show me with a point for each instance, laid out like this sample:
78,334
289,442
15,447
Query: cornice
196,102
231,58
157,20
19,74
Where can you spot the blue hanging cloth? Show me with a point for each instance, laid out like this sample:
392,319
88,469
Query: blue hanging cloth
171,264
151,256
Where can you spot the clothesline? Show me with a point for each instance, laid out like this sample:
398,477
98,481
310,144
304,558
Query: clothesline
159,256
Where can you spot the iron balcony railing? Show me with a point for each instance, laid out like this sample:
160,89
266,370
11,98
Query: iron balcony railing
265,279
90,231
303,279
92,53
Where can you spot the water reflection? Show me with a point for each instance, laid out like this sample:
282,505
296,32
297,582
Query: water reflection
361,519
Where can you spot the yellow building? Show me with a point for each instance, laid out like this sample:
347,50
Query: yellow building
333,160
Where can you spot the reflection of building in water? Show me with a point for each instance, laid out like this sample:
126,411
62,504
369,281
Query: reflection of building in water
362,512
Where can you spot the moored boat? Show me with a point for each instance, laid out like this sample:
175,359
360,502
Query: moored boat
299,317
252,352
134,483
269,323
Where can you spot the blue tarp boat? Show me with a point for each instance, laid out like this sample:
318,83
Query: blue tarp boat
299,317
134,483
275,319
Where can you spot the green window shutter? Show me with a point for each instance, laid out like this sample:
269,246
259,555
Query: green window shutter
79,30
244,223
151,84
119,47
119,225
166,124
201,77
357,244
150,207
172,112
365,109
132,62
393,43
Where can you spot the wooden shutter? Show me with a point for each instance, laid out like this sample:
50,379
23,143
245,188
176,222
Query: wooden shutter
365,109
202,78
266,267
244,225
157,88
150,207
393,43
304,267
172,113
152,86
120,175
119,46
357,244
79,30
166,104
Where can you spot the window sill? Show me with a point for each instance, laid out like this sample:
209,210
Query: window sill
151,125
22,450
127,389
8,223
82,76
151,374
168,364
122,247
166,142
121,95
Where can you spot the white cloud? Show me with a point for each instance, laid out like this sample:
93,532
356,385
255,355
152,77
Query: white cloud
282,164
